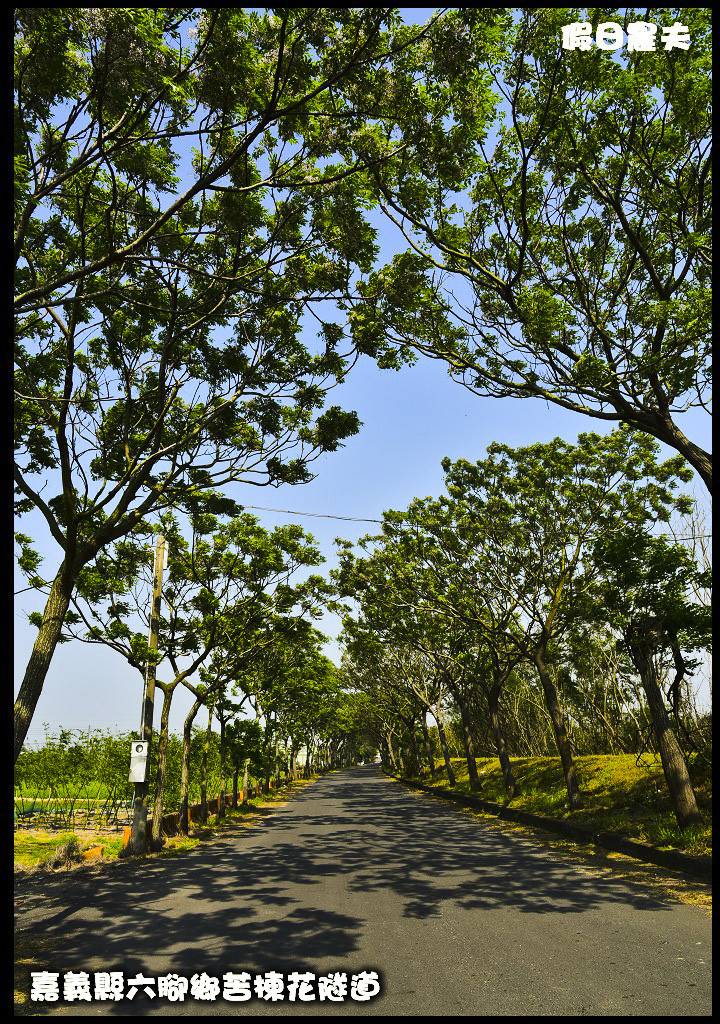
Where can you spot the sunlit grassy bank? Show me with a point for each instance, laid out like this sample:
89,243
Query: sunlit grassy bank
622,794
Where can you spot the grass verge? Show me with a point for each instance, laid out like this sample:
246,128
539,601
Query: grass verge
620,796
43,850
621,793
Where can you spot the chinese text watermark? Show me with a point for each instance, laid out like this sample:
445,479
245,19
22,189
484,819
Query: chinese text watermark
272,986
641,36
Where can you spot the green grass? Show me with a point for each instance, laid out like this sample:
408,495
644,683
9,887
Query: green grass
40,847
36,847
620,795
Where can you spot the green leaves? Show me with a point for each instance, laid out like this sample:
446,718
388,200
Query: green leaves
222,587
159,268
244,742
504,563
29,559
642,577
577,218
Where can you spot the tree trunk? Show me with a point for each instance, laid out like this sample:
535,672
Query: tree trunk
203,770
415,751
473,777
673,760
221,798
401,759
163,736
552,703
38,664
266,755
444,748
391,752
699,459
184,827
511,787
428,748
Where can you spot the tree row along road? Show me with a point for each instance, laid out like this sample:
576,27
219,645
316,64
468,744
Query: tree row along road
358,874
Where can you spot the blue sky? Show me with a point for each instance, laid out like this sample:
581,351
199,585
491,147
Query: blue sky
411,420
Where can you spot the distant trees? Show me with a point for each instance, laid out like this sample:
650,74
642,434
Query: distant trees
244,750
81,779
235,628
304,704
228,599
505,572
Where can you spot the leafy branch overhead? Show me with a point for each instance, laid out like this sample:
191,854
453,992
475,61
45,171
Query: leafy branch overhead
559,240
181,209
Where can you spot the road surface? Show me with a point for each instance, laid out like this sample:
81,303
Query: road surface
357,874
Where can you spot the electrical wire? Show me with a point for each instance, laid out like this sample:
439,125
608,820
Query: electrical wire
315,515
357,519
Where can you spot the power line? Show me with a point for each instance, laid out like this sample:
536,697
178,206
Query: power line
357,519
315,515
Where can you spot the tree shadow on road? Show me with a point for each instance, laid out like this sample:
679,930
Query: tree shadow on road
269,898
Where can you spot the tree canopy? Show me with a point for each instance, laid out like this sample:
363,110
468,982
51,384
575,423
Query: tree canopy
498,571
180,210
566,255
196,246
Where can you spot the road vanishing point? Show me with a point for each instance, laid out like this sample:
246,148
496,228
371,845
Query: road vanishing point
357,874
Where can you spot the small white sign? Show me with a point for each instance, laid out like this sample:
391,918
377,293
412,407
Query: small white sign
138,761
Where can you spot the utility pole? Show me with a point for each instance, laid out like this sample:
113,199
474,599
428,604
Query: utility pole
138,836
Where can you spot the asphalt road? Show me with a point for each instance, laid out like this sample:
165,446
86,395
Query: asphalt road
358,874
